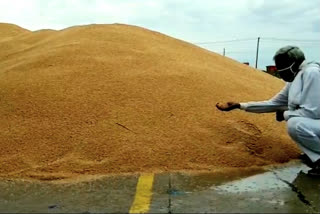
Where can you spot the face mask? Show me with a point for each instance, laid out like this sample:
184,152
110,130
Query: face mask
287,74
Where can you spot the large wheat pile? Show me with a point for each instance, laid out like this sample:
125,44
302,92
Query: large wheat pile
115,98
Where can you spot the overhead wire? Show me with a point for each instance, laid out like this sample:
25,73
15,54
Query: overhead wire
289,40
244,46
225,41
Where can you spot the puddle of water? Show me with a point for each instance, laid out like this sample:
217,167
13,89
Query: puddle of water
255,183
194,182
266,181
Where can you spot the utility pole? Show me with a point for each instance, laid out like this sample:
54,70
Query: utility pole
224,51
257,55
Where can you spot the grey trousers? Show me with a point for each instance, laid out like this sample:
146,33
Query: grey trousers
306,133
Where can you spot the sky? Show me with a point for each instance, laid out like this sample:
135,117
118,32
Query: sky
216,25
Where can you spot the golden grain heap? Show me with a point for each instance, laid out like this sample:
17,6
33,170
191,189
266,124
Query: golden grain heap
100,99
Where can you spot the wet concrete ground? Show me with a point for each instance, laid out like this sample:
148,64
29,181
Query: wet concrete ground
285,189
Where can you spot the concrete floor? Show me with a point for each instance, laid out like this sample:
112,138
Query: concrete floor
285,189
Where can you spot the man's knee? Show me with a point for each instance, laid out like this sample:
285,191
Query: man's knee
292,127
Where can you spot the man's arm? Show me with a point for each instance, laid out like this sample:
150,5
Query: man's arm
278,102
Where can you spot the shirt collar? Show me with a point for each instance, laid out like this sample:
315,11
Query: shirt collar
303,64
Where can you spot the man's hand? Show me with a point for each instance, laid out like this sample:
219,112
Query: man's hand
227,106
279,115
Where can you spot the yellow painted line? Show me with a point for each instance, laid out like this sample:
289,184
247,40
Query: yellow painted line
143,195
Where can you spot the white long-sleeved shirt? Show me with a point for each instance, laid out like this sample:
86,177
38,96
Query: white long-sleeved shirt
300,98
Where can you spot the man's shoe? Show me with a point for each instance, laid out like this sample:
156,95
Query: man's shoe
315,171
306,160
